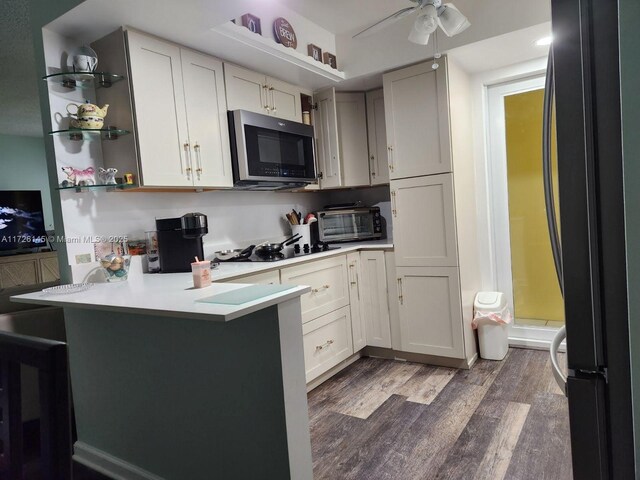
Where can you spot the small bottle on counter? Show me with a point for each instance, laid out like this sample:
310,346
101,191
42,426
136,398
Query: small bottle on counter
201,271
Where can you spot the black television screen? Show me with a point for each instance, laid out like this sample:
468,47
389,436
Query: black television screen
21,220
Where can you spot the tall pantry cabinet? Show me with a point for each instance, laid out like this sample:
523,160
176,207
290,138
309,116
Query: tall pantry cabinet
428,123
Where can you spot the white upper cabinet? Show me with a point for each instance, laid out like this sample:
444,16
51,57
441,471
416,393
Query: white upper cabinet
256,92
180,113
417,121
424,223
207,119
340,122
377,133
161,118
326,130
351,112
246,90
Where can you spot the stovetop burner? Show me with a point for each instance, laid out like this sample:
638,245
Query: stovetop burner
287,253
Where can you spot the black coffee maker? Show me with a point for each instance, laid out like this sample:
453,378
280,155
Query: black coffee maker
180,241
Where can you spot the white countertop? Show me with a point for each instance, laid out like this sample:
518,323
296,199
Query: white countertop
173,295
229,270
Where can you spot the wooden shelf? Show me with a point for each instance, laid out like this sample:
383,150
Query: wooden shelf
271,47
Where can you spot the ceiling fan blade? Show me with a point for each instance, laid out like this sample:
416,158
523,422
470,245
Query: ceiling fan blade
385,22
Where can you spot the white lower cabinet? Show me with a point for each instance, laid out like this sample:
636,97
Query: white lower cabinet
430,311
355,300
374,299
327,342
328,281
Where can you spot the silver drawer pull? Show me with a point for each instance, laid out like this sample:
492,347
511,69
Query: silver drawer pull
318,290
326,345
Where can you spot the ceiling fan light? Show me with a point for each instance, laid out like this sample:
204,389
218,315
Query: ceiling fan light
451,20
424,26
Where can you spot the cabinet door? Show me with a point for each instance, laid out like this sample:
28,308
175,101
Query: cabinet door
17,274
430,311
352,138
246,90
377,133
417,117
161,121
284,100
328,281
207,119
375,306
357,320
326,128
424,221
49,271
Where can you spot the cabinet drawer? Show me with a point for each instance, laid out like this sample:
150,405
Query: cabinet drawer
264,278
327,341
328,282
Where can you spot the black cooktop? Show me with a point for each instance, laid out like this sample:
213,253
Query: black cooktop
286,253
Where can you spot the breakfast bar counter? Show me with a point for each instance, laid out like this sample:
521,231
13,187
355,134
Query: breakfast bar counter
169,387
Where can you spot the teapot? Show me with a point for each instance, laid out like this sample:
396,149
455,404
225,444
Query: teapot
87,115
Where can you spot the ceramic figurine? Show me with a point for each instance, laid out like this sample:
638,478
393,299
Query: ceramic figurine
78,177
108,176
87,115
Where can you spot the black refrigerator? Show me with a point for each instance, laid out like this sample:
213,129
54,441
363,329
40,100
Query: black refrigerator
586,79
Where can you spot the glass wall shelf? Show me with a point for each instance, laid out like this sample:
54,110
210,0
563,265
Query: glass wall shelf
78,134
109,188
73,80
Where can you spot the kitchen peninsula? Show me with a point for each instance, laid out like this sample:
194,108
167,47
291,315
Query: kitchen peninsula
166,386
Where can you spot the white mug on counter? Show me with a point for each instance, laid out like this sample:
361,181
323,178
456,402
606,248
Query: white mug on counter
305,231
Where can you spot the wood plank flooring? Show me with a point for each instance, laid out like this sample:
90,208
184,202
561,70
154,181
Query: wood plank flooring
385,419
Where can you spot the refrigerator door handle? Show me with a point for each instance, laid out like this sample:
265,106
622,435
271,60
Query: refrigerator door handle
547,171
558,374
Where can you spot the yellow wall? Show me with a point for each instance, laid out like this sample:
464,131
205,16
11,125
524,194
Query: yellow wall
536,294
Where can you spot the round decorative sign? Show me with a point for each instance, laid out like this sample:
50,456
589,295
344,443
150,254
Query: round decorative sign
284,33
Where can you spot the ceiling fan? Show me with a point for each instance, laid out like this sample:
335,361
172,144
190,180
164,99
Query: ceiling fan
433,14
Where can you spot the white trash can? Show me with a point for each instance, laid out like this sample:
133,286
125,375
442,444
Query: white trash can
492,317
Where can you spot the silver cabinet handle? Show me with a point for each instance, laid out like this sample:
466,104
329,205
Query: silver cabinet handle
187,152
265,91
196,149
318,290
351,267
394,209
400,294
391,159
372,165
323,346
273,99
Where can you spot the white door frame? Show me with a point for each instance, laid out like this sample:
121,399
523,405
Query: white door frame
498,193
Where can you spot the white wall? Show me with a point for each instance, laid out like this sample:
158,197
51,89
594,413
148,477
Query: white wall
24,167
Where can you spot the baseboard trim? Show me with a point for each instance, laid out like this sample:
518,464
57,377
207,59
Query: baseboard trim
320,379
537,338
109,465
417,357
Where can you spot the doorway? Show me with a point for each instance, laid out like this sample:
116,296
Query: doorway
522,253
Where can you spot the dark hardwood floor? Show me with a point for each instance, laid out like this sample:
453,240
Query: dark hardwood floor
385,419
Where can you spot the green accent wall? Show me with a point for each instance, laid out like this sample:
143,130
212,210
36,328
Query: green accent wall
24,167
629,19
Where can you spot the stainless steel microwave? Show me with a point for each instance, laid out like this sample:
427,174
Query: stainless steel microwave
270,153
349,224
